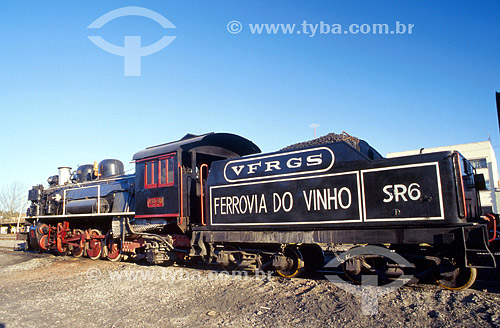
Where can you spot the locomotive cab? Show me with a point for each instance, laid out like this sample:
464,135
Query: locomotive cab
170,177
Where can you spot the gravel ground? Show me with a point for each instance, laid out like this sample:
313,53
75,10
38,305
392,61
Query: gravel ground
40,290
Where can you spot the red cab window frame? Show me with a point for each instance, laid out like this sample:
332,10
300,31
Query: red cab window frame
157,165
150,180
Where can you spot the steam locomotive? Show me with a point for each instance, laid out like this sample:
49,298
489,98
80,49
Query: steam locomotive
214,197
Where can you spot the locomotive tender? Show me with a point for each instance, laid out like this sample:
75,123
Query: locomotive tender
215,197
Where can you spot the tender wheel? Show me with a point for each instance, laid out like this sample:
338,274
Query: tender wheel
114,250
313,257
452,273
78,251
378,267
294,263
94,249
352,269
234,260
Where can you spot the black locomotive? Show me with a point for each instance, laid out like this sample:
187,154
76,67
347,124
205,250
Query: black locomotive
215,197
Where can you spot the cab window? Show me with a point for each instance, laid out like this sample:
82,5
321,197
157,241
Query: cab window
159,172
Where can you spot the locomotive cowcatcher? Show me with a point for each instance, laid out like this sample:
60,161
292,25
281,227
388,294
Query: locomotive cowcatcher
214,197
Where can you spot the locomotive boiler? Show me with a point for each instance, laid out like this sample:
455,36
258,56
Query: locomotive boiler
216,198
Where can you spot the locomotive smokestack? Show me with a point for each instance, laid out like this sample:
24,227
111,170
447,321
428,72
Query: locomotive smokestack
64,175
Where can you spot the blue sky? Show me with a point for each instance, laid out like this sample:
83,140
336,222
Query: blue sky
65,102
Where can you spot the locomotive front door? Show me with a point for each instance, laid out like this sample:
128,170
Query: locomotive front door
157,183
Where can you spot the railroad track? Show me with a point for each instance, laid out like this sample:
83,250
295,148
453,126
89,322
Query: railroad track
8,237
488,281
11,243
10,248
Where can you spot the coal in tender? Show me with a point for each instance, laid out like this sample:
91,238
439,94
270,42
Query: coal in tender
329,138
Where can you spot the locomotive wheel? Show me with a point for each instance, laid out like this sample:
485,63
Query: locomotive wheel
113,250
452,274
43,242
94,249
62,249
234,258
78,251
32,243
295,263
42,229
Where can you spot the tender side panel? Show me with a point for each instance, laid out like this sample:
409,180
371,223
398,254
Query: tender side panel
406,192
322,199
400,193
331,186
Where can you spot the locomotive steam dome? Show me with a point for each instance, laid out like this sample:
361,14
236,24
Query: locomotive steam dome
84,173
110,167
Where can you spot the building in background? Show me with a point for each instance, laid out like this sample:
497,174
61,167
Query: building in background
482,156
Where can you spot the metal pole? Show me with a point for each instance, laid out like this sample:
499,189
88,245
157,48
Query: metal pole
314,126
498,107
19,219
